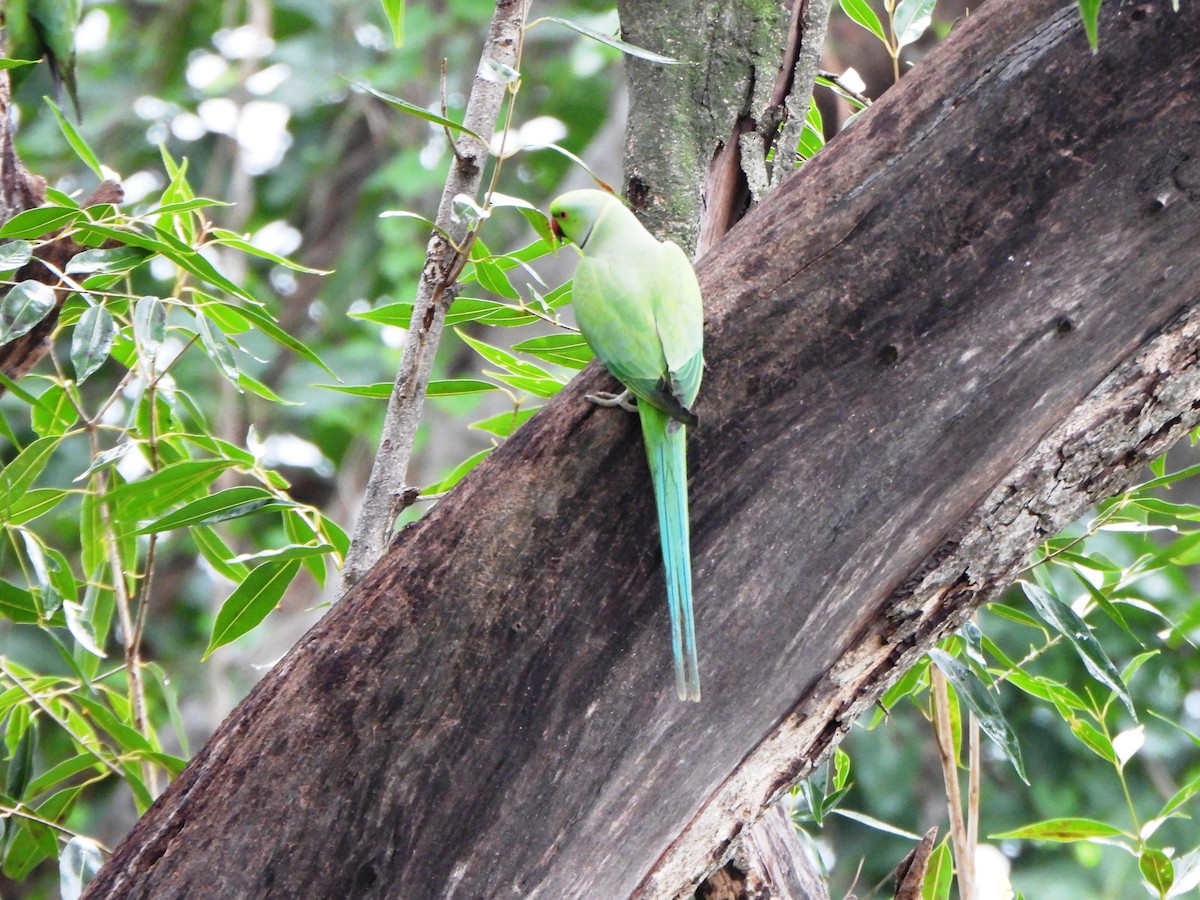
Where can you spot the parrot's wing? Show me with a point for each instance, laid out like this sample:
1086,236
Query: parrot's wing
679,319
615,309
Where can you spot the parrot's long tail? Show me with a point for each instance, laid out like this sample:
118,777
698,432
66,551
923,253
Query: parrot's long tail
666,451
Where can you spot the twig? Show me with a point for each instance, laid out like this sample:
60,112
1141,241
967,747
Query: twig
436,290
944,733
809,30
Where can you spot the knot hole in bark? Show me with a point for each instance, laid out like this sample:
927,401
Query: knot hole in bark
638,192
365,877
1063,325
1155,205
888,355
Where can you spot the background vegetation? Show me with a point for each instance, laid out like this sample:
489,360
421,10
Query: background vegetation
180,473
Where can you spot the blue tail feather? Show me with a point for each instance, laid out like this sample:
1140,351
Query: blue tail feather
667,454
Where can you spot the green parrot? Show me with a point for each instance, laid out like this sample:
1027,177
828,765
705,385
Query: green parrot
44,29
638,306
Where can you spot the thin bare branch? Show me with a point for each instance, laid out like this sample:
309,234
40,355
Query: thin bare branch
387,488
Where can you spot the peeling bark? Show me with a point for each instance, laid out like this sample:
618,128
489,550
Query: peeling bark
969,317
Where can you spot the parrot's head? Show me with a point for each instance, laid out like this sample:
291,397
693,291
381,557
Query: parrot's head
574,214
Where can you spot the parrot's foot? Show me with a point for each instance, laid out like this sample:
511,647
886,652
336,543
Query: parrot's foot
623,400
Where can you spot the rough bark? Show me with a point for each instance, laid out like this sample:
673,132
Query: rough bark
968,318
699,132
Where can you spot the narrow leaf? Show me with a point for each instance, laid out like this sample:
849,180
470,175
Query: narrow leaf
1068,623
394,10
1089,11
251,601
91,341
78,144
860,12
218,507
1064,830
983,703
419,111
609,40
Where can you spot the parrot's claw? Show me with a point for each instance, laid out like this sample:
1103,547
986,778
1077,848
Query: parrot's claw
623,400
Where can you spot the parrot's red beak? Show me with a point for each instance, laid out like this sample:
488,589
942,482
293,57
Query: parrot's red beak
555,230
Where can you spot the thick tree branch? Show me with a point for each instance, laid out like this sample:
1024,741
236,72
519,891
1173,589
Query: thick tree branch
387,489
968,318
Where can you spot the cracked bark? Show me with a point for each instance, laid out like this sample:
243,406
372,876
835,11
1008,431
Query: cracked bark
698,135
968,318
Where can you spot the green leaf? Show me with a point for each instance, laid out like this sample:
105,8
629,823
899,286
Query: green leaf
107,261
78,144
505,423
1181,796
504,359
379,391
860,12
457,474
459,387
20,763
217,347
145,499
911,20
251,601
17,63
569,350
217,553
128,738
18,605
1156,868
229,239
1093,739
1067,622
188,204
419,111
15,254
248,382
25,304
1064,830
939,876
28,506
1089,11
983,703
291,551
812,136
171,700
32,842
34,223
91,341
394,10
219,507
149,324
18,476
270,328
55,413
1047,689
64,770
609,40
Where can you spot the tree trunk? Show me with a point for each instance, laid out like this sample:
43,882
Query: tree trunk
967,319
